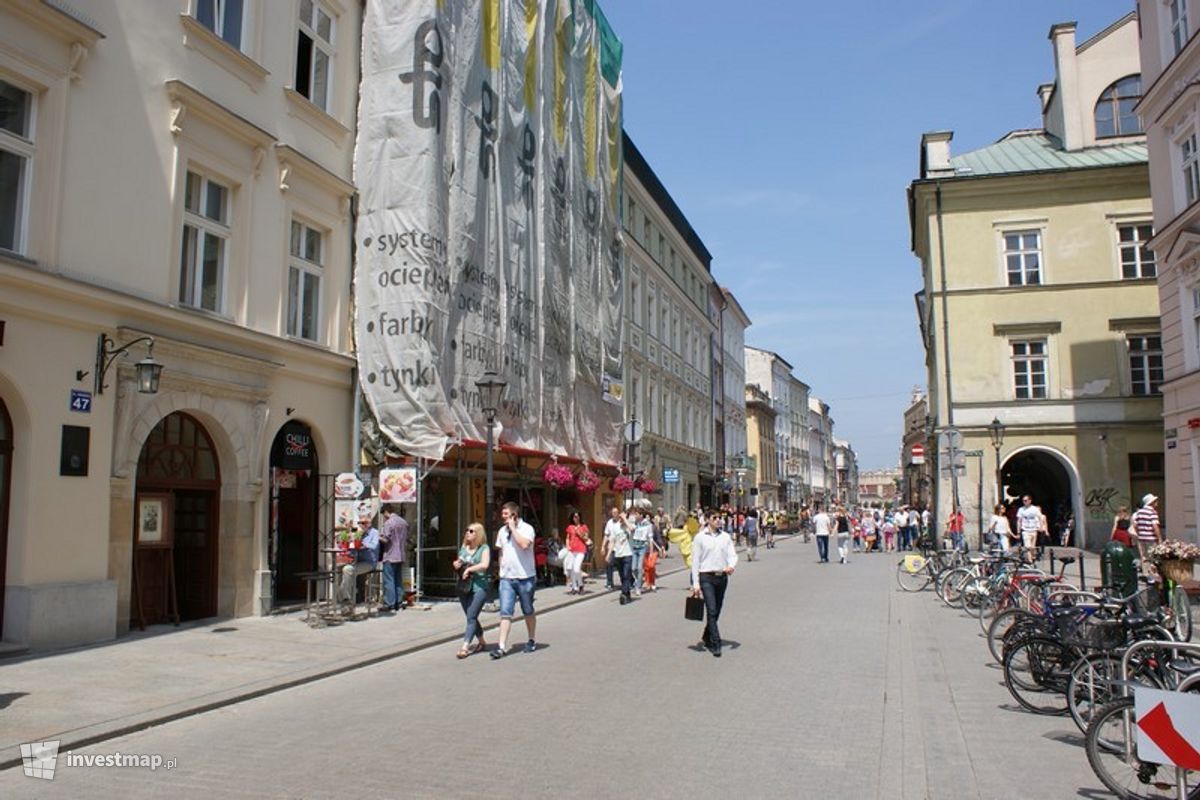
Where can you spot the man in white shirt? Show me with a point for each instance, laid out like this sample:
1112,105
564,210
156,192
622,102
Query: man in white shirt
713,561
619,551
822,527
1030,522
518,574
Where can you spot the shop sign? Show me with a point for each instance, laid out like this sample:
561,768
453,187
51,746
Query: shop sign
670,475
293,447
398,485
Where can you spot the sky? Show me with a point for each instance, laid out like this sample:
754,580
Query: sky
788,131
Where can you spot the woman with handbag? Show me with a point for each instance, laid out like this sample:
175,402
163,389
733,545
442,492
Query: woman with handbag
471,566
577,545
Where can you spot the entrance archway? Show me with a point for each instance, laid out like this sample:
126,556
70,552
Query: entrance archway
294,501
1043,475
177,472
6,448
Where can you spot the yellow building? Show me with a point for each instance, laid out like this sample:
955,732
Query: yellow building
762,483
1039,308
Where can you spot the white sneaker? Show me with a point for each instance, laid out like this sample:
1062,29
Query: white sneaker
637,592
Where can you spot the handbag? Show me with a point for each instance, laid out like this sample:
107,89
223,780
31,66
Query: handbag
693,608
563,554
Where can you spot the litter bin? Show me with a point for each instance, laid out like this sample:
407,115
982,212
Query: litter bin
1118,568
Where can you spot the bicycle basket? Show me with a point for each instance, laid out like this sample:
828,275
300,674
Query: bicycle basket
1097,634
1149,599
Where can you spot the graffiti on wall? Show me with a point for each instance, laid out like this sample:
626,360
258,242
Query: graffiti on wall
1103,503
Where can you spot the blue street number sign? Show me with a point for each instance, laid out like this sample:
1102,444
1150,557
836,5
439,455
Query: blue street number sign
81,401
670,475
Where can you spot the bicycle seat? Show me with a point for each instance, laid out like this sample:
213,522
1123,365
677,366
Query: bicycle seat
1133,621
1184,667
1067,560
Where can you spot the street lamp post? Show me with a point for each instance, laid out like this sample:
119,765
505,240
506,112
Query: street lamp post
633,437
996,432
491,390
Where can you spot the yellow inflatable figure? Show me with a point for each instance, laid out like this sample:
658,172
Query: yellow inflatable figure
682,538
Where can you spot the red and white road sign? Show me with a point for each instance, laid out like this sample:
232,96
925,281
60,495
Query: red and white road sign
917,454
1168,727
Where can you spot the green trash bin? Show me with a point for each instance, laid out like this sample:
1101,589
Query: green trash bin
1118,568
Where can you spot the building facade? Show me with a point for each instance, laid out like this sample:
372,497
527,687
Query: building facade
669,349
1170,65
915,449
796,463
1039,308
759,485
878,488
733,439
845,463
822,477
773,374
221,235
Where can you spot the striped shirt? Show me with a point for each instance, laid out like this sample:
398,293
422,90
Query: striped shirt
1144,521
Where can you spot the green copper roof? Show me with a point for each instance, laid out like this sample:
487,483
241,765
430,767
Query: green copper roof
1037,151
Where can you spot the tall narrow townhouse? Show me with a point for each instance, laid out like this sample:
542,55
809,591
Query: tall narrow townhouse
734,322
1039,308
175,368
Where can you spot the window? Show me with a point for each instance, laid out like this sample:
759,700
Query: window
1137,260
1193,358
1179,24
304,281
1029,369
1023,257
314,53
1114,110
205,243
16,158
1145,364
635,301
651,310
222,17
1191,169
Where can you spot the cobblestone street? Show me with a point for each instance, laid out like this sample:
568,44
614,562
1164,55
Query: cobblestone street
834,684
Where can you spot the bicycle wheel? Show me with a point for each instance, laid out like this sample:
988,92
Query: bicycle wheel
973,595
912,581
1181,610
1036,673
999,626
952,585
1111,746
1092,685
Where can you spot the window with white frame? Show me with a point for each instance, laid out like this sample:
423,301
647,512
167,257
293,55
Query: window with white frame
222,17
664,318
652,309
206,235
1029,369
1145,363
1190,167
16,160
314,53
651,404
1192,359
1179,24
635,299
1023,257
305,265
1137,260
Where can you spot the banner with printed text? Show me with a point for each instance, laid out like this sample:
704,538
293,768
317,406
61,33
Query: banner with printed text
488,163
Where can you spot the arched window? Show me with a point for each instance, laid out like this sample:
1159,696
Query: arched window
1114,110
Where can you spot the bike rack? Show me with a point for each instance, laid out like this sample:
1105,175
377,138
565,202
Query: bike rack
1126,686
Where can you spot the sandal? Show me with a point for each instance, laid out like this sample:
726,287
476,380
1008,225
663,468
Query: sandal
478,648
462,653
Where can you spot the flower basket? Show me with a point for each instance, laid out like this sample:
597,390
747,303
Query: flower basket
1176,569
1174,550
558,475
622,483
646,485
587,481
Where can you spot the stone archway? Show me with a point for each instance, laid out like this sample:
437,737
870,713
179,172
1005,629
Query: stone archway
1052,480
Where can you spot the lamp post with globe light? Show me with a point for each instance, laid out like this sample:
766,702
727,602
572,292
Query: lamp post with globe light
491,391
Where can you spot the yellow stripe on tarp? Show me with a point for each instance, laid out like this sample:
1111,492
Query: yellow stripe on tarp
591,111
531,61
490,41
562,46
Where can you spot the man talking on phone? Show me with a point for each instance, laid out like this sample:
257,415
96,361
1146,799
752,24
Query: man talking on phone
517,575
713,561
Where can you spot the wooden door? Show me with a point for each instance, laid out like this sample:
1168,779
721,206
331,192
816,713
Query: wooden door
195,553
297,532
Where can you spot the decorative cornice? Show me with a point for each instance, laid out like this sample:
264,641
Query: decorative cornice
1024,328
292,159
187,100
198,37
1135,324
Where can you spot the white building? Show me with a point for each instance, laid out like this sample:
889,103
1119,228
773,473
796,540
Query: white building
774,375
669,348
734,322
796,462
184,177
822,476
1170,87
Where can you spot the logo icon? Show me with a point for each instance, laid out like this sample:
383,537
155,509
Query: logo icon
39,759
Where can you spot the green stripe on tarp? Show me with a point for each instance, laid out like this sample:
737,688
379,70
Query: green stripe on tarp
611,49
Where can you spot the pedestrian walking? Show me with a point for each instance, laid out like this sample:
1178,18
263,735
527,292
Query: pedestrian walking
713,561
999,529
914,527
1032,525
769,526
610,564
843,535
955,525
1122,522
394,541
619,551
640,537
869,531
474,560
751,528
577,543
889,535
823,528
518,574
656,551
1146,526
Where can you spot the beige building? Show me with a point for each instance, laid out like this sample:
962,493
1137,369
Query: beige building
915,450
1039,306
877,488
183,177
1170,67
759,486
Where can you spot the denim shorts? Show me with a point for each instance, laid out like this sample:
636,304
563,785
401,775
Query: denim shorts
510,590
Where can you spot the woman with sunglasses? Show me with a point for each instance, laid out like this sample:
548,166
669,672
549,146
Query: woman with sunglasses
471,566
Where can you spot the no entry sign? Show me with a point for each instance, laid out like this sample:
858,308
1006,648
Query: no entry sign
917,454
1168,727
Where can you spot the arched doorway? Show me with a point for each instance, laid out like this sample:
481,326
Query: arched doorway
176,522
1042,475
6,448
293,523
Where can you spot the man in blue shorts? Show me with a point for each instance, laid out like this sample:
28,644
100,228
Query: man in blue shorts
518,573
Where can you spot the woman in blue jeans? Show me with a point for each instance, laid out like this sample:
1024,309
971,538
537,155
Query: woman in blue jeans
474,558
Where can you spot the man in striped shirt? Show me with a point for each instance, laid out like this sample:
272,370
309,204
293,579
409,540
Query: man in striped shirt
1145,524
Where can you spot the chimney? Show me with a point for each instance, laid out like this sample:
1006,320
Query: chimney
1045,91
935,154
1062,36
